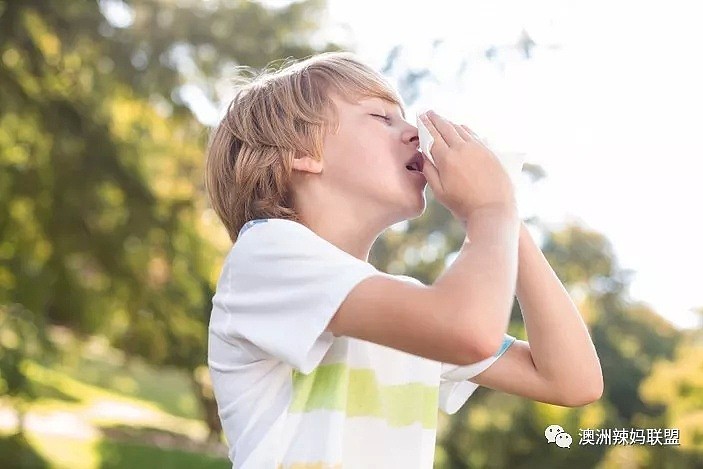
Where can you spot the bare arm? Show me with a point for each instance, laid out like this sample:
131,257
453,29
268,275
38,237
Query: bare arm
560,344
559,365
459,319
480,283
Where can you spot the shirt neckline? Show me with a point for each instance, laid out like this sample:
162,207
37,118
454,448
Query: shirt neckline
256,221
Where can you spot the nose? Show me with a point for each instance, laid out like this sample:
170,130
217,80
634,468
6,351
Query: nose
411,136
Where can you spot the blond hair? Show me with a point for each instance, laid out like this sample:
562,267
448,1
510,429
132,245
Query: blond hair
272,118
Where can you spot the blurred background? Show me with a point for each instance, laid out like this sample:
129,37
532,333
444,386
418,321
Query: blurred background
109,252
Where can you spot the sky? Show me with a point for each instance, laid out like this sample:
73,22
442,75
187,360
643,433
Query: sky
609,105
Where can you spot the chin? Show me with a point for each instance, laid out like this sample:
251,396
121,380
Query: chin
416,205
408,202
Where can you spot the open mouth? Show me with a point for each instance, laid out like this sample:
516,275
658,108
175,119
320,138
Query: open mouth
415,163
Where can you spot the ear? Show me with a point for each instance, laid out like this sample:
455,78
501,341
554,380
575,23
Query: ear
307,164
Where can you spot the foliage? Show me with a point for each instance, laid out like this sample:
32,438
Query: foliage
104,229
104,226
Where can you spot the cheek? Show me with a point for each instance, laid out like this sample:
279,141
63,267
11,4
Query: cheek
373,151
373,162
361,157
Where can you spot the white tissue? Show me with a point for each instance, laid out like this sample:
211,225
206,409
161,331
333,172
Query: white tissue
426,139
511,161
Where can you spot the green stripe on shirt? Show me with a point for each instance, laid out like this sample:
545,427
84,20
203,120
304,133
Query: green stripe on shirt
357,392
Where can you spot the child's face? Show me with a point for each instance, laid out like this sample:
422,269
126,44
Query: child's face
365,161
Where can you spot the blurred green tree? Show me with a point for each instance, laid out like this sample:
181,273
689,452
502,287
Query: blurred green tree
104,227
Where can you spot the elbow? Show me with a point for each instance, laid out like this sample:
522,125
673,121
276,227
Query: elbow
491,347
482,343
478,350
586,394
597,391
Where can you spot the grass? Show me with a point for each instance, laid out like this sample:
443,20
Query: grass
94,411
171,392
34,451
118,456
95,363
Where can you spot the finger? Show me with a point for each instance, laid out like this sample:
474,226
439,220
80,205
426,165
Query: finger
439,142
462,132
445,127
472,134
431,174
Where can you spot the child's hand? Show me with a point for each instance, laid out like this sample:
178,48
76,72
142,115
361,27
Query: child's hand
467,175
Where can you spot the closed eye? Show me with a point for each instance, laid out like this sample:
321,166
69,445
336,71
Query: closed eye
386,118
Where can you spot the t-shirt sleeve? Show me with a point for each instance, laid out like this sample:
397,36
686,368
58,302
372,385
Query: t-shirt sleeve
280,286
454,387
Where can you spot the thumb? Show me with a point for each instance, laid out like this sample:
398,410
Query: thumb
431,174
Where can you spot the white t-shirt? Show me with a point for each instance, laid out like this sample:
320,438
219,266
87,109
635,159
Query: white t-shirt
291,395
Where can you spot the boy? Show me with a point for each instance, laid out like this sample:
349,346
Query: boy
318,359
